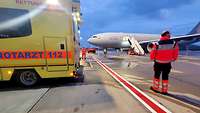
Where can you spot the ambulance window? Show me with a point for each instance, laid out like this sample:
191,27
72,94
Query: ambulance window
14,23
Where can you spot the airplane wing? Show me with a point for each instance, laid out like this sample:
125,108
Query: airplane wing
176,38
186,37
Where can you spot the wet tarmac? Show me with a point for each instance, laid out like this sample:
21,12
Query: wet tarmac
184,77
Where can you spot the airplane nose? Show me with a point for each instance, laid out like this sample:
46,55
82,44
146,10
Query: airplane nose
89,40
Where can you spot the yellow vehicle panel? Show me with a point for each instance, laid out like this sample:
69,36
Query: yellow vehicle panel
39,36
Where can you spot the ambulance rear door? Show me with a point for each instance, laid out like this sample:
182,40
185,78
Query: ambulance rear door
56,53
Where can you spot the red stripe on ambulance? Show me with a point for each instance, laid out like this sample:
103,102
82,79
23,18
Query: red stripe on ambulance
33,54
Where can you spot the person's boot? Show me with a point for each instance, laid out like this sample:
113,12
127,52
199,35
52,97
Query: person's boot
165,87
156,85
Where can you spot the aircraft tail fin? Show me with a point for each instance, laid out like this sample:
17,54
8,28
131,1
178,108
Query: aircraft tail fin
195,30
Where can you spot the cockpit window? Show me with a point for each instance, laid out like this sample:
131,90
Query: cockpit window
94,37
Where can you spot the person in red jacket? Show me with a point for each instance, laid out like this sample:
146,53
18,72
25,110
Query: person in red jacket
84,53
163,53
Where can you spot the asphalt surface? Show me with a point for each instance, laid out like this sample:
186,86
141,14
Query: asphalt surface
184,78
100,93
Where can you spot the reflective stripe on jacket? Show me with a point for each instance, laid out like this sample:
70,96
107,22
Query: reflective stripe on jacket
165,52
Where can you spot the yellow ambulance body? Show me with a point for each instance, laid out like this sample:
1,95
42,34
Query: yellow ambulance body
39,39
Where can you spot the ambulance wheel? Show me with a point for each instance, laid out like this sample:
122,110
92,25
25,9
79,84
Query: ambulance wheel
80,76
27,78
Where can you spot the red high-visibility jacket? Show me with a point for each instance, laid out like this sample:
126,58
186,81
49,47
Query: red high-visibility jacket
84,51
165,51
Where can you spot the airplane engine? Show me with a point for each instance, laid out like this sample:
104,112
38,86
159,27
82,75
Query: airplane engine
147,47
150,47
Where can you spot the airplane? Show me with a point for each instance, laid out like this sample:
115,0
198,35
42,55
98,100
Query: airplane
138,41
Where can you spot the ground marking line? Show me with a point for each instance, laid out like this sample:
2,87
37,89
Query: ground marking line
147,101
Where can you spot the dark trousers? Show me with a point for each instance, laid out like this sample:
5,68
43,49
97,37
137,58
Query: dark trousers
162,68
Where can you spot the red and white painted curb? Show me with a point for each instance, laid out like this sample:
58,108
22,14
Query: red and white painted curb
147,101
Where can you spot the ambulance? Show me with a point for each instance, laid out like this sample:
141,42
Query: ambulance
39,39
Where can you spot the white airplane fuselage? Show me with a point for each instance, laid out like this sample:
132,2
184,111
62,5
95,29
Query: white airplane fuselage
135,40
119,40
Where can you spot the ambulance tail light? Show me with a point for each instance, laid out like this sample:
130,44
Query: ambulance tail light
71,74
9,72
